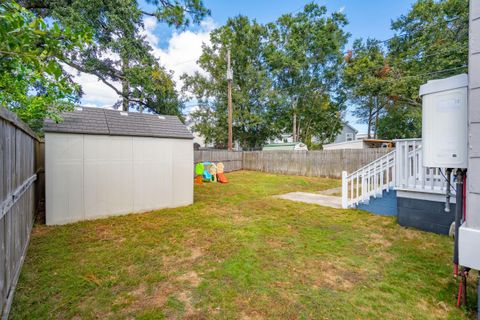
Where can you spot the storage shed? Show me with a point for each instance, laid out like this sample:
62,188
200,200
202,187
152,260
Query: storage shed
101,162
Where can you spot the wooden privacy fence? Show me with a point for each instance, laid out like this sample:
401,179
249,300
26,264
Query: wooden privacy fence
232,160
322,163
20,192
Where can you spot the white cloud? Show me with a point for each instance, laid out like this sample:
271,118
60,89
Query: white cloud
180,56
342,8
95,92
184,48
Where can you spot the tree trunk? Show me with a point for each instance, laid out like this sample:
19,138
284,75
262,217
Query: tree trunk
294,126
125,86
294,107
369,122
377,112
298,131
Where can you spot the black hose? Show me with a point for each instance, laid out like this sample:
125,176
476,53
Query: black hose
448,194
458,212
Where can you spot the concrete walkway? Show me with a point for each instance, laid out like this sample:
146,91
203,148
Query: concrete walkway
314,198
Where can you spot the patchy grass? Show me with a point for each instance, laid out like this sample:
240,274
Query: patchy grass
239,253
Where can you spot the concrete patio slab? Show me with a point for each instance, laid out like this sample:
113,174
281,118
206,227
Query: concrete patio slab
313,198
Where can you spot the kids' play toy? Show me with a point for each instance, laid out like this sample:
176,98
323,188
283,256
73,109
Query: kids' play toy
220,176
209,172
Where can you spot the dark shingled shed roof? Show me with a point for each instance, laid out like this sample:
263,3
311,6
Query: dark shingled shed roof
118,123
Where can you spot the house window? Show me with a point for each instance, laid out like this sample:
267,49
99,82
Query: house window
349,136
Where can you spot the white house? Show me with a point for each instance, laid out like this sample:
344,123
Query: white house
103,162
198,139
348,133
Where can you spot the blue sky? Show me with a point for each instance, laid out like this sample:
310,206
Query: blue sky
179,49
366,18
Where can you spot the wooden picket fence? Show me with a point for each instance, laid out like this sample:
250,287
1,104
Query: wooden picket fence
21,178
322,163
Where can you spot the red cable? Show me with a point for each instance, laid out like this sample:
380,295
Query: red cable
460,294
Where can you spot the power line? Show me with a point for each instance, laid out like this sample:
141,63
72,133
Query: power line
404,35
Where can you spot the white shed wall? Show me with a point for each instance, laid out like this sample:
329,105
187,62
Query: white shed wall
92,176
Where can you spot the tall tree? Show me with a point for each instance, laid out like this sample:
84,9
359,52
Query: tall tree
431,42
119,54
400,121
32,82
304,57
253,97
365,78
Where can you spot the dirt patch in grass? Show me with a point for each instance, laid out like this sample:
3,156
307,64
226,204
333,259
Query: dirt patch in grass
191,278
240,219
325,274
377,239
439,309
40,231
186,298
196,253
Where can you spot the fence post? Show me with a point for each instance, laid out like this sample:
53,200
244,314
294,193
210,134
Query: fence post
344,190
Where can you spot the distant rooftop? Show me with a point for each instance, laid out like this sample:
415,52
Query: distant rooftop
118,123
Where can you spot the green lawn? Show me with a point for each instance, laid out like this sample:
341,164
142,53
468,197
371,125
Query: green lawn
239,253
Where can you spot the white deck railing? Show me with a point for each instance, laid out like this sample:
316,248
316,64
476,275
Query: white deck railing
369,181
411,174
400,169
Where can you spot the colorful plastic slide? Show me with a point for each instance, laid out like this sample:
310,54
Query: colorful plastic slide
209,172
220,175
199,168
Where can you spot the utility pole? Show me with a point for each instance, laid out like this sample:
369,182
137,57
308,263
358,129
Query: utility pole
230,110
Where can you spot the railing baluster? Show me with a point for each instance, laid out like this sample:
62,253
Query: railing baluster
414,163
351,188
357,185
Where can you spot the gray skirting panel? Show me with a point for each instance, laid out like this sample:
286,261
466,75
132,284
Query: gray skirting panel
425,215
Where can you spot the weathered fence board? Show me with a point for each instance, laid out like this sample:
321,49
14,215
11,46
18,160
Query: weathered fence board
322,163
19,194
232,160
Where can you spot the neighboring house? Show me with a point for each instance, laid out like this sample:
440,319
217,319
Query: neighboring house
361,136
284,138
101,162
198,139
348,133
293,146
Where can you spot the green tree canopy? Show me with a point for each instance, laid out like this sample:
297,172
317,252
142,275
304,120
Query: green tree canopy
365,82
430,42
32,82
253,96
291,64
304,55
119,52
